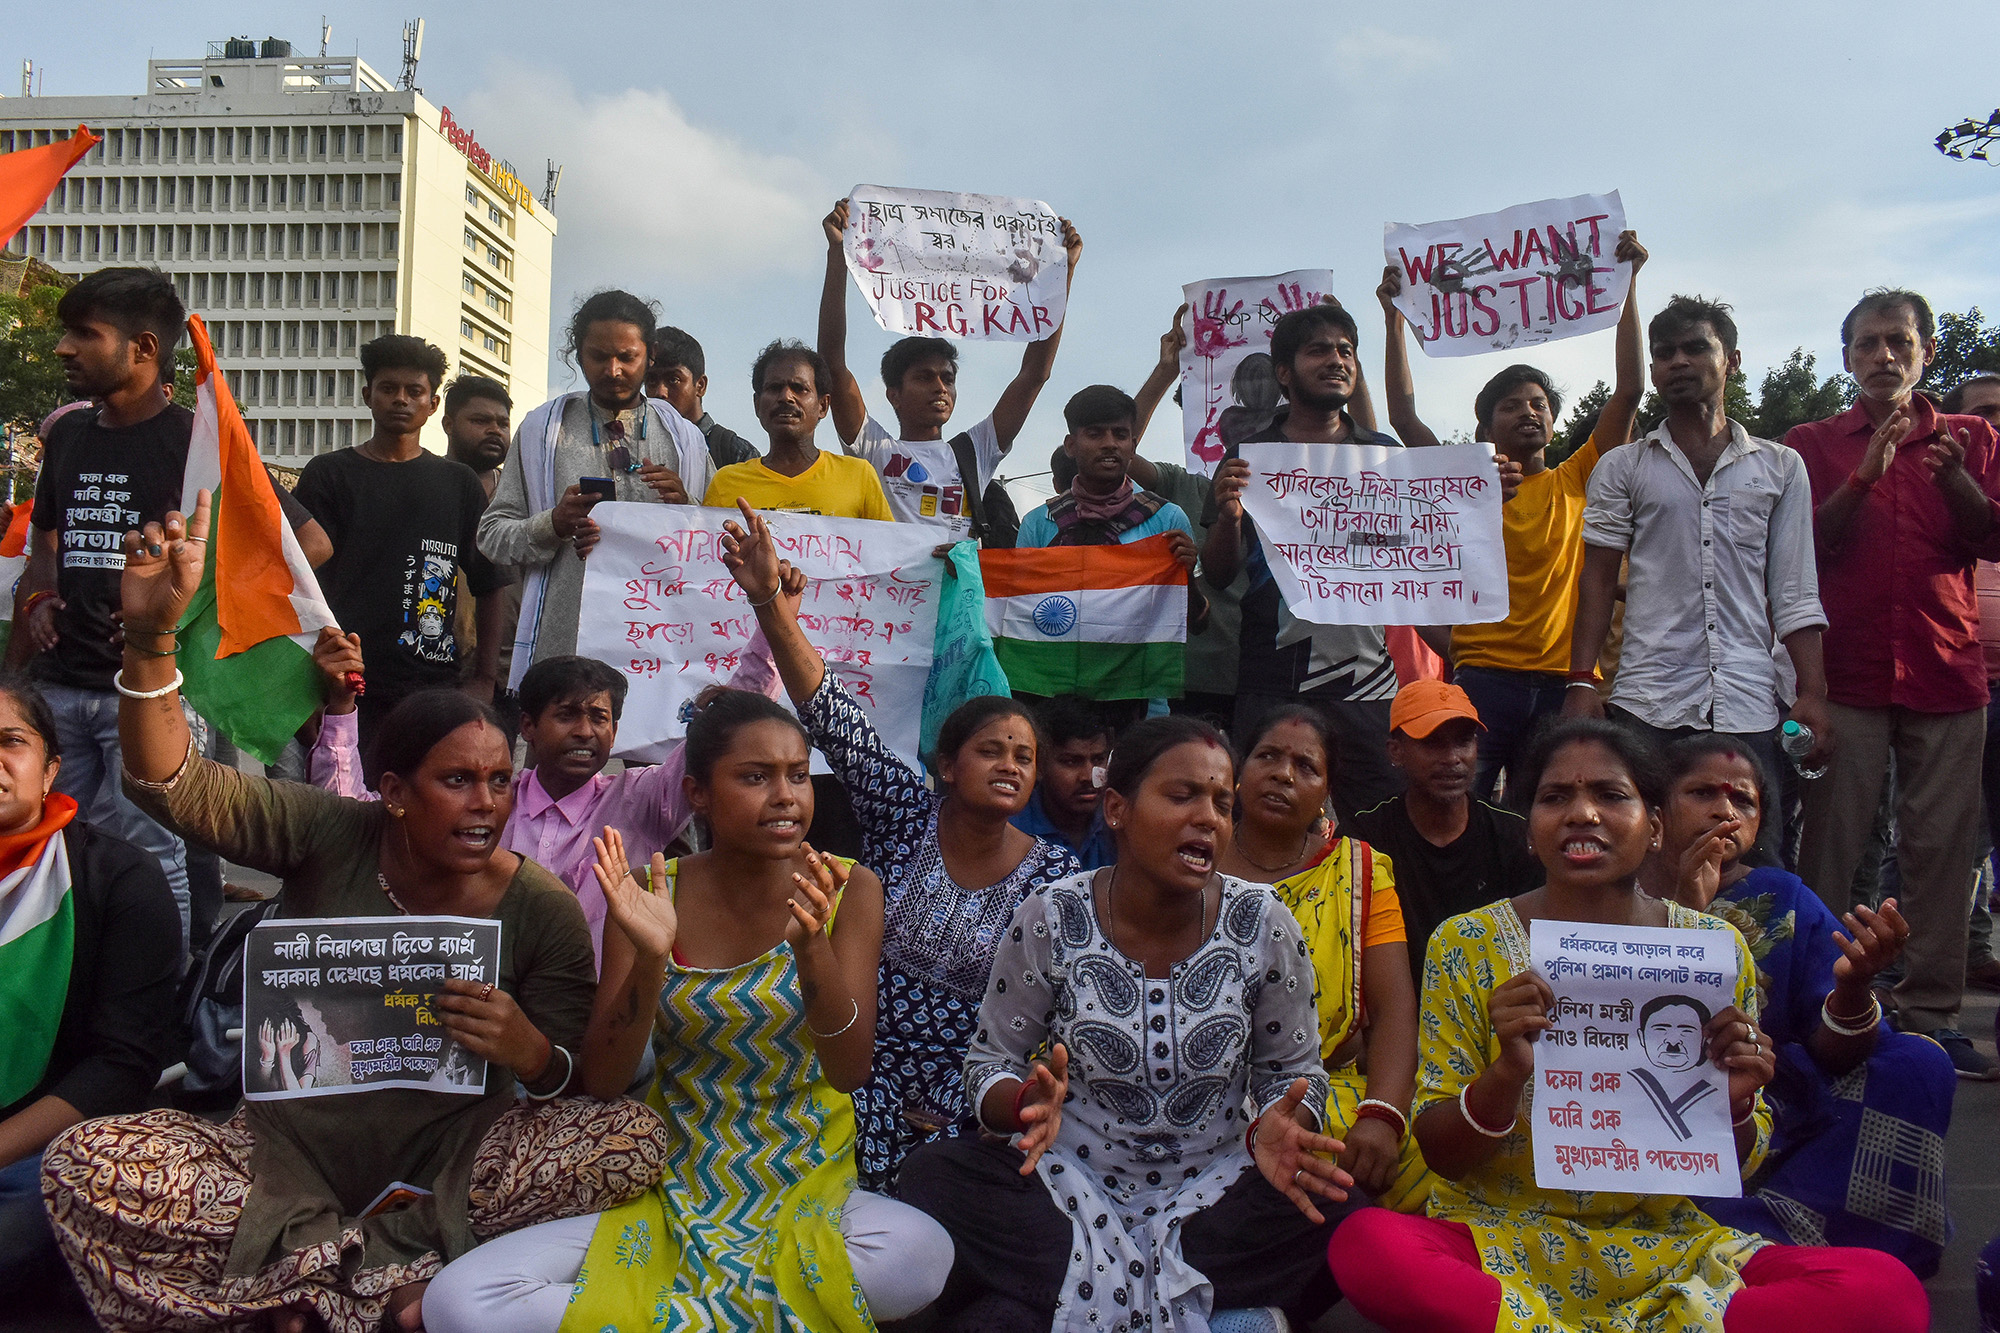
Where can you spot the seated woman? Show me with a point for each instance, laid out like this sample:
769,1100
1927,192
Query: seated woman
169,1221
92,956
953,867
1497,1250
1819,1186
1166,995
1343,893
756,990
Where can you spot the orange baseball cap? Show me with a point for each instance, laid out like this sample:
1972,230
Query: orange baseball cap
1423,706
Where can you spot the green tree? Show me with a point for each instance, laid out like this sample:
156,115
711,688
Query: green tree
1966,346
31,379
1568,440
1793,393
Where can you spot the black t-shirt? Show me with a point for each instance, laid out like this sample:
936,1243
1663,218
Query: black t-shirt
96,483
400,533
1488,862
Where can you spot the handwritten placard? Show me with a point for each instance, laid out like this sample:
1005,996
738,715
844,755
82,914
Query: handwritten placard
944,265
1525,275
1228,389
344,1004
660,606
1362,534
1625,1096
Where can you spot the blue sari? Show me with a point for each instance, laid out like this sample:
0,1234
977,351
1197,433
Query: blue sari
1855,1160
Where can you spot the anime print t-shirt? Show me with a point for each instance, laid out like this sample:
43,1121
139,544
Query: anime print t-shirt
401,534
920,477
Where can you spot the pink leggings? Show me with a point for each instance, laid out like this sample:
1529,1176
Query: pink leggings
1421,1275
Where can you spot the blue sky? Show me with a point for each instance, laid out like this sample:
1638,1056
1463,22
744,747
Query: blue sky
1777,156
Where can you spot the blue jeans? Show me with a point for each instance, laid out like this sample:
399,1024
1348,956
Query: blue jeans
92,773
29,1259
1511,704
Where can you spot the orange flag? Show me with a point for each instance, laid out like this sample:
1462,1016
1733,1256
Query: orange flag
29,176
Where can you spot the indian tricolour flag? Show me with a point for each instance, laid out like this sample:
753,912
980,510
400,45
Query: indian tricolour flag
1101,622
13,564
246,643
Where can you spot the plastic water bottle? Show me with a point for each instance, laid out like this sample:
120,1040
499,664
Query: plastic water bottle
1797,742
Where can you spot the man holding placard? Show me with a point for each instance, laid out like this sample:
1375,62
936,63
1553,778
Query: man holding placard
1344,670
1719,528
1515,669
929,479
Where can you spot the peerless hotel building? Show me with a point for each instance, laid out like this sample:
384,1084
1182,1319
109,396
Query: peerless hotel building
302,205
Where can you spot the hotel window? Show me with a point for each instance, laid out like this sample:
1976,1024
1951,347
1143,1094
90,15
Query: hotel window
465,328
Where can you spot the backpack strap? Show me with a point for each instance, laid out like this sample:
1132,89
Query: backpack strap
968,477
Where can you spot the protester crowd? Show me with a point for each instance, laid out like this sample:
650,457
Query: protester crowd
1200,1012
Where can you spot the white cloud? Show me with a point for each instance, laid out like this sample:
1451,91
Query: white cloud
644,182
1379,51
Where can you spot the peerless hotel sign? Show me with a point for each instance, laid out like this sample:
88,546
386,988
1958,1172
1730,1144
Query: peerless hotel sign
502,175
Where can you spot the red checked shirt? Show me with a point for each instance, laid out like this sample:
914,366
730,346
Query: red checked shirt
1902,613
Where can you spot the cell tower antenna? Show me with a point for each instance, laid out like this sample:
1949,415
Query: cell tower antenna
1971,140
27,78
413,51
554,180
325,34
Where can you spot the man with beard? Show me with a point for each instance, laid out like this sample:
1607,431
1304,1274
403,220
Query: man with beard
1515,670
611,432
792,385
1343,670
1908,502
1718,526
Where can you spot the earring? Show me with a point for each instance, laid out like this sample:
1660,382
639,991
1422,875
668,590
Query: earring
395,812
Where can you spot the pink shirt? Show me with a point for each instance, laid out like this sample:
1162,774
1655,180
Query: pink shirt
645,805
1986,582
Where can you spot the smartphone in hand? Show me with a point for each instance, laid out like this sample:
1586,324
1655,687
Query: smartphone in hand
601,487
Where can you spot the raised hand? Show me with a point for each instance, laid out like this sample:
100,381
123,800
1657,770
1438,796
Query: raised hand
1040,1105
1296,1161
834,224
812,906
267,1046
1389,289
163,565
1701,864
1872,942
1738,1046
1072,242
1230,480
338,657
1881,450
1629,251
1174,339
1519,1011
647,918
751,556
288,1039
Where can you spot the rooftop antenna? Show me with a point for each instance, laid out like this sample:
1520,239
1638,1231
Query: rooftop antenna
27,78
325,34
413,51
554,181
1971,140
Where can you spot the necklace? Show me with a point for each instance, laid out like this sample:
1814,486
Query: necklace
1304,838
389,893
1111,915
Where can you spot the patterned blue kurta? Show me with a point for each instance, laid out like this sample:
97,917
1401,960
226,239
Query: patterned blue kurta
938,938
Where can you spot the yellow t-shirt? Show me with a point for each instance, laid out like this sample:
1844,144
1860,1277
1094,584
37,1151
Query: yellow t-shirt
835,485
1543,529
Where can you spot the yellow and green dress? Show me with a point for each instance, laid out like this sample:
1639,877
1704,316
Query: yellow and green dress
743,1233
1350,895
1567,1259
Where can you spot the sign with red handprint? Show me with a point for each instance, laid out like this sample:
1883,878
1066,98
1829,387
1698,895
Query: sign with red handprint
1529,274
1228,390
943,265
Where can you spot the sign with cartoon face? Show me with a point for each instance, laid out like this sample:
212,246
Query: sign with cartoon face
1625,1097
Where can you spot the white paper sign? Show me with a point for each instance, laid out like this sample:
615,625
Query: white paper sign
1625,1097
1525,275
1363,534
1228,389
947,265
659,605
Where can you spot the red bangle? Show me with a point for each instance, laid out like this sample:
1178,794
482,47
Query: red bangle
29,605
1020,1093
1387,1114
1582,678
1250,1136
1858,486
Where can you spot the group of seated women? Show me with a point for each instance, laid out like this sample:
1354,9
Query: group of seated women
963,1085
